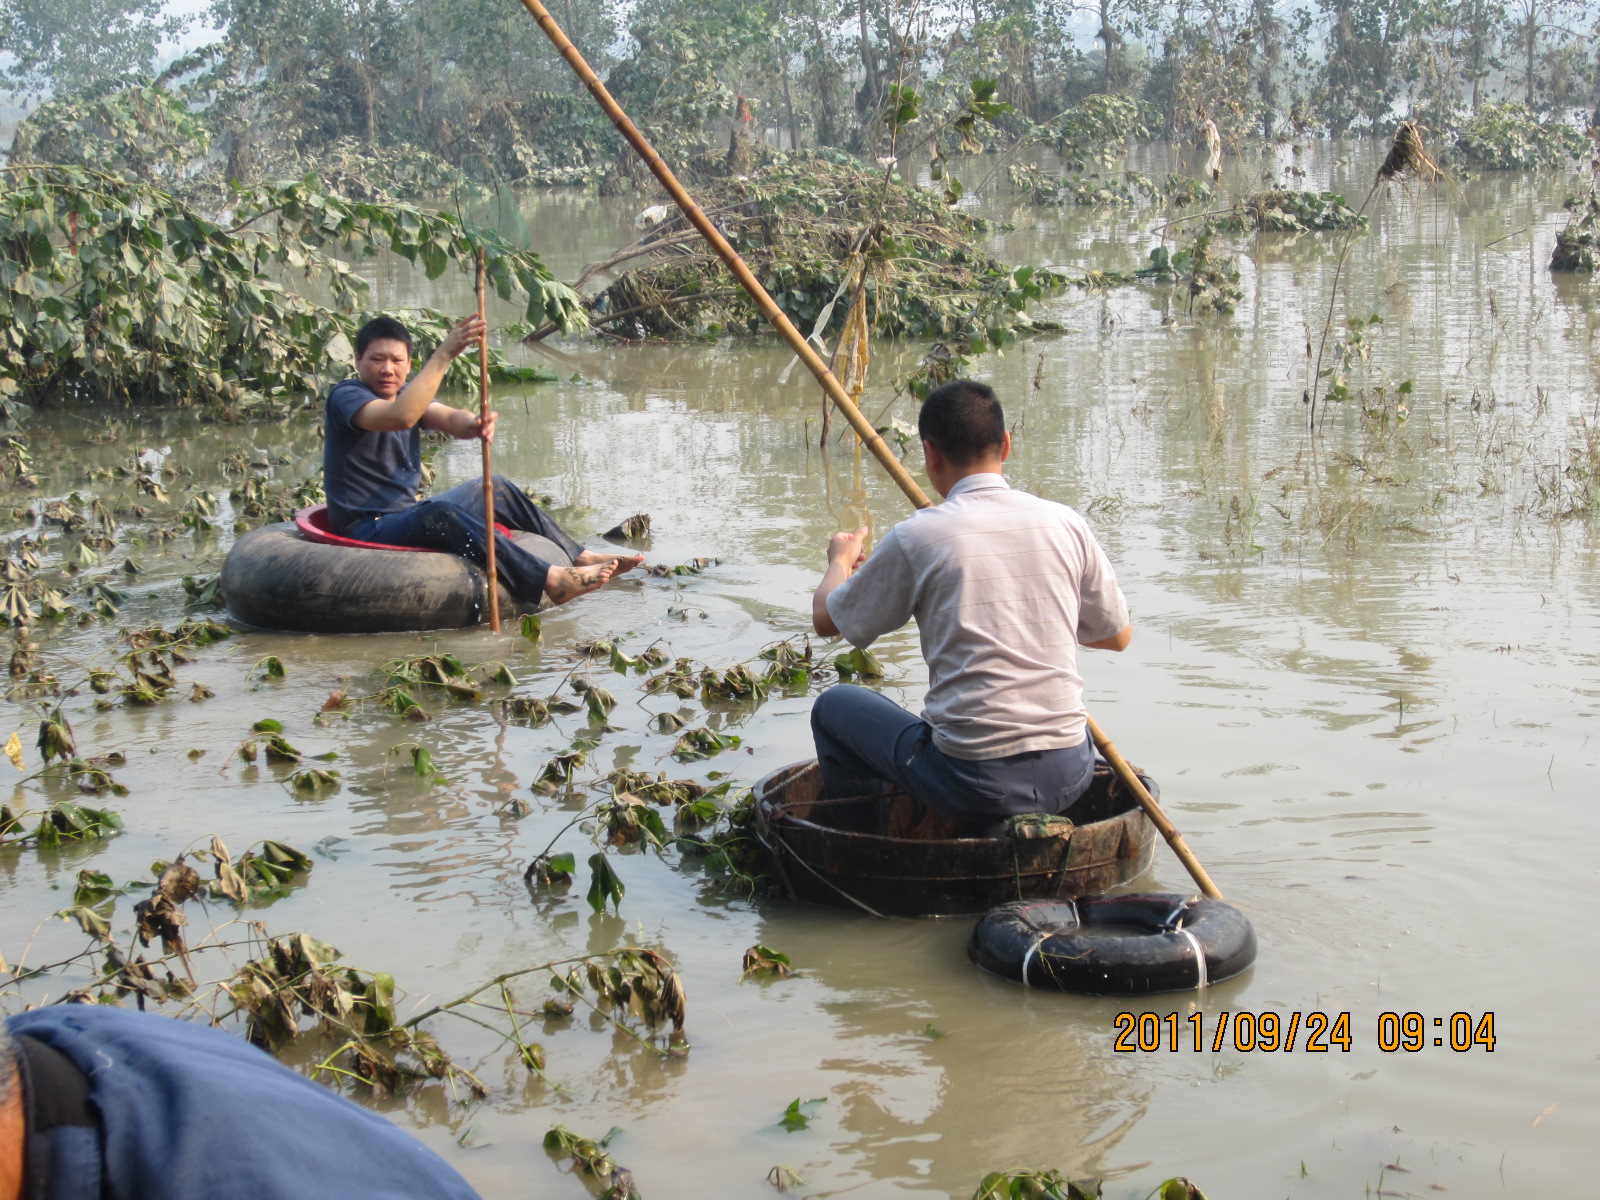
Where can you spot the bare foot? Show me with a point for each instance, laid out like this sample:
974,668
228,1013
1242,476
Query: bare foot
568,583
622,563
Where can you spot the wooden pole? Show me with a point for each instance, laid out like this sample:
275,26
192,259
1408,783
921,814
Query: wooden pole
697,218
488,478
826,378
1153,810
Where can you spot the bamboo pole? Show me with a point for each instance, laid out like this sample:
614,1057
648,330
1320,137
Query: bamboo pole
829,382
697,218
1152,810
488,478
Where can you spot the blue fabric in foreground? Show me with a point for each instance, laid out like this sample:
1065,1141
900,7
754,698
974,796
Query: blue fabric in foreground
191,1113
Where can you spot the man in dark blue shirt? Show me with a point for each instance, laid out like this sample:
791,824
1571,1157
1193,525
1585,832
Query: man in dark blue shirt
100,1102
372,468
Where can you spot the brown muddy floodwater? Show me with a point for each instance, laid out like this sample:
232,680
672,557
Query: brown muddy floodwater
1366,673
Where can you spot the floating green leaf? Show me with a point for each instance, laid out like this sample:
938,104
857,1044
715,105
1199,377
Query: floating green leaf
93,923
271,667
93,887
857,661
763,960
551,870
604,885
525,708
799,1113
696,744
65,821
315,782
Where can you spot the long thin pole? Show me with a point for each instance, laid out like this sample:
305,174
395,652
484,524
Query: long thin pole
829,382
488,478
697,218
1152,810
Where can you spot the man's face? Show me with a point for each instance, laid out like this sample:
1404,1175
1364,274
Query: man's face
384,367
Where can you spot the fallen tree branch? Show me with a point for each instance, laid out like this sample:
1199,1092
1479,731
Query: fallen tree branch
544,331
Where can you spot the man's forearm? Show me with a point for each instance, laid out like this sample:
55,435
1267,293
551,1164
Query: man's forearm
457,422
821,621
413,401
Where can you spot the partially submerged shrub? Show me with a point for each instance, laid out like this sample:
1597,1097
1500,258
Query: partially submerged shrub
1281,210
809,224
1511,137
1578,245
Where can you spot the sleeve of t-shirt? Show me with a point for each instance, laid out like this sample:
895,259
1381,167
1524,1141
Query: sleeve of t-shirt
346,400
878,598
1102,608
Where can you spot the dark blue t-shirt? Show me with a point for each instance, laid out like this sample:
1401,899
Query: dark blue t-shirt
187,1112
365,473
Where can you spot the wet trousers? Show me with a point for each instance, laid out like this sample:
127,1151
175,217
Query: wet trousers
865,741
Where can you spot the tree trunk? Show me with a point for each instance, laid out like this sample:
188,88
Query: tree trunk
788,104
1267,53
1109,39
871,97
1532,46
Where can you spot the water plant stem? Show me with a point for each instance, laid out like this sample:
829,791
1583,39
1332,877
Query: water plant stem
696,217
488,478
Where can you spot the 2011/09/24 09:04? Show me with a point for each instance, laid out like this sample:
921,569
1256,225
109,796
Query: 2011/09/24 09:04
1313,1032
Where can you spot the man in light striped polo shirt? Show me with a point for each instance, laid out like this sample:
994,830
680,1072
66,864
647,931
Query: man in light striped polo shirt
1004,587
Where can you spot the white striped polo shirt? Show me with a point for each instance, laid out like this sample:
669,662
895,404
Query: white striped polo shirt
1004,586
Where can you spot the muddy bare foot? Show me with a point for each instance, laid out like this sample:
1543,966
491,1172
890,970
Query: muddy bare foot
568,583
622,563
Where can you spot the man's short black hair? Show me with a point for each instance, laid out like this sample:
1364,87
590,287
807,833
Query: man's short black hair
382,329
963,421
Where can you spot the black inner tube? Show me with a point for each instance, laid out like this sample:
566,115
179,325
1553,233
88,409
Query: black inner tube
1115,945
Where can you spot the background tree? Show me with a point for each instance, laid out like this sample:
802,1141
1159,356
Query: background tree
64,46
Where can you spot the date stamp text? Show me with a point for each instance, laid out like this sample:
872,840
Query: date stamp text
1308,1032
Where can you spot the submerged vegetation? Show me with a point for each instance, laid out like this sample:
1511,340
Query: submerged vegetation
1512,137
1279,210
1578,244
282,988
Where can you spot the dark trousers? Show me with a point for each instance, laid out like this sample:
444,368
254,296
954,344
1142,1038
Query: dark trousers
454,522
865,740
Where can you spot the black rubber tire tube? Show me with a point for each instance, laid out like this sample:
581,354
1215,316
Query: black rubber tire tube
275,579
1169,936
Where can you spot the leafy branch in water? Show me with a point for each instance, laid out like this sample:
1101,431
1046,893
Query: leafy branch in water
1035,1185
1046,1184
63,821
120,291
439,672
626,819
